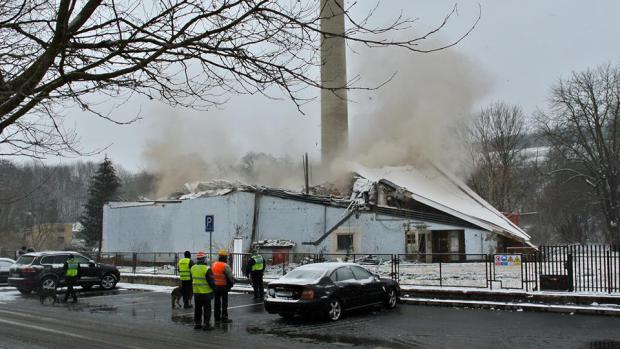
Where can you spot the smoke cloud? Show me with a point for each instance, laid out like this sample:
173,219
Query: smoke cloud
418,115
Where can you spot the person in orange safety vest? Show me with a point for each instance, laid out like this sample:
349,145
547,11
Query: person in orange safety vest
224,280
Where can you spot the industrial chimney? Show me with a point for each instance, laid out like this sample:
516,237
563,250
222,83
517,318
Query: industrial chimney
334,115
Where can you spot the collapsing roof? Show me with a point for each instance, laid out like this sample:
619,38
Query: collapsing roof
428,185
434,187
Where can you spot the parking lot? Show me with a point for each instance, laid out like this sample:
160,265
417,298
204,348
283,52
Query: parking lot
126,318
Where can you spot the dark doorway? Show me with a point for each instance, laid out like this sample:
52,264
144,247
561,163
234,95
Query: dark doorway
448,245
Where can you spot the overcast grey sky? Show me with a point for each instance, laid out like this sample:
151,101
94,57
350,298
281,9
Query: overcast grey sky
519,48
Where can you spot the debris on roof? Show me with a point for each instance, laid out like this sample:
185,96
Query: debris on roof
218,187
275,243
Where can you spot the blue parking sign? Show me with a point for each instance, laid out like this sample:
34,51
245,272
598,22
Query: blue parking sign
209,223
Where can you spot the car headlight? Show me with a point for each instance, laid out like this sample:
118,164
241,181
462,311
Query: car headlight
271,292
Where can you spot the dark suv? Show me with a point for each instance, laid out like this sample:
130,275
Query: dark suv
37,270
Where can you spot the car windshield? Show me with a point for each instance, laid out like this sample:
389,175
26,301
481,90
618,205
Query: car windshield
310,274
25,260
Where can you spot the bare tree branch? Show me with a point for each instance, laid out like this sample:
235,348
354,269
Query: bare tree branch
186,53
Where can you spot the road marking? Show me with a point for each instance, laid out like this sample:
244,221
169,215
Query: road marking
235,307
243,306
63,333
35,327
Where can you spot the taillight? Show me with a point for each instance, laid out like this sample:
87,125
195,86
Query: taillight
28,270
307,294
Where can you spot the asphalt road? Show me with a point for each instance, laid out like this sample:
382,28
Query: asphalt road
139,319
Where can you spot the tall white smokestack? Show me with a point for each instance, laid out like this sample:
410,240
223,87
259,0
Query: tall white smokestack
334,115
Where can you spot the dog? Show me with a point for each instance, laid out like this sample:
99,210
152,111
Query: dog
176,296
48,296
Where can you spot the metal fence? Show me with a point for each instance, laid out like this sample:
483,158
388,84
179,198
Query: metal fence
583,268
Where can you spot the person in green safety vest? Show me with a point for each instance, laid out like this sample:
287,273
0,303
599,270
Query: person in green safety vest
203,286
255,269
185,264
71,270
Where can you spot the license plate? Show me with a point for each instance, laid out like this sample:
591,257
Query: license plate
285,293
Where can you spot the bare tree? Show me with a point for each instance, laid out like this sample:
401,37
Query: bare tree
192,53
568,211
583,124
498,138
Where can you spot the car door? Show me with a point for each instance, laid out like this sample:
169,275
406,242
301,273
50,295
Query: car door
88,270
58,263
371,290
347,286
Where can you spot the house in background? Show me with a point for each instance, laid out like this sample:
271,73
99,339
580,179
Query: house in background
404,210
50,236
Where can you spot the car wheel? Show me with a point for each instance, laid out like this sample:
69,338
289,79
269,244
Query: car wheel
334,310
392,299
24,290
48,283
287,315
87,287
108,282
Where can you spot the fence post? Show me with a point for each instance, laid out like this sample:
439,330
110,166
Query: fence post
569,270
440,275
176,262
609,272
134,261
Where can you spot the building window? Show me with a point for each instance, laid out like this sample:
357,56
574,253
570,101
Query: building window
345,242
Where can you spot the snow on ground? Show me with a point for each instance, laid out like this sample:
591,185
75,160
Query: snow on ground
8,294
153,288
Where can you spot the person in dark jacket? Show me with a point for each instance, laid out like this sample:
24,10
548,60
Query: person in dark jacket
203,286
224,280
184,267
255,269
71,270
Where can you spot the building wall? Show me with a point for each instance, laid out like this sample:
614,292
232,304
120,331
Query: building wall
180,226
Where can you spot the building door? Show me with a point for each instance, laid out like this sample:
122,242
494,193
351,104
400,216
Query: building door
448,245
417,245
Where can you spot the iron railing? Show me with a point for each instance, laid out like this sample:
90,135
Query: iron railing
583,268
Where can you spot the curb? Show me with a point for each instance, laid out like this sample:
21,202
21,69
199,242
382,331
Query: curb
515,306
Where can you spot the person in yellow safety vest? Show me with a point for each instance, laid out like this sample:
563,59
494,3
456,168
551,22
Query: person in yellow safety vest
71,269
185,264
203,285
224,280
255,269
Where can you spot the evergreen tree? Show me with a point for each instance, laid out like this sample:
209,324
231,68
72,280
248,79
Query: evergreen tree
104,187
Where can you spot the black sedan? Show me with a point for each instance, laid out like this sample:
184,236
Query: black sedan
5,264
329,289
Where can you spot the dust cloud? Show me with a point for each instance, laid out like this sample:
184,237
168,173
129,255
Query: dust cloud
419,115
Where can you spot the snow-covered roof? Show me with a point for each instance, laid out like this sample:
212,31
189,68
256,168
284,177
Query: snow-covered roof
434,187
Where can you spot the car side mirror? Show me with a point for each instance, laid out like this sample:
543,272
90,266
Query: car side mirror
91,264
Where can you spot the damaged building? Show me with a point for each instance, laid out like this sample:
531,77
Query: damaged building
421,211
403,210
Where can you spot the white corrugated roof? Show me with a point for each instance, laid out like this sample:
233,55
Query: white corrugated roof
434,187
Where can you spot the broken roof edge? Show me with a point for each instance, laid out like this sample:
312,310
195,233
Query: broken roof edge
474,196
274,192
513,232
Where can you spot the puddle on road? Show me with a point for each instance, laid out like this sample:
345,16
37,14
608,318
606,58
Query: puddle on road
331,338
604,345
183,319
101,308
